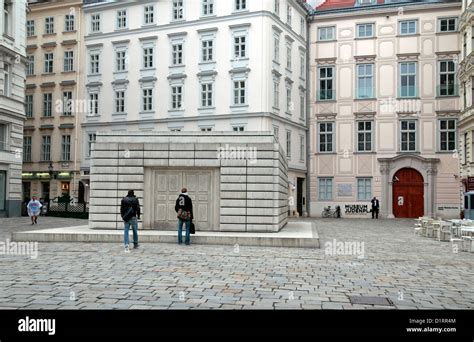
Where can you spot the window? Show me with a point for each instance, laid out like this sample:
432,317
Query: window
325,137
26,149
464,95
69,23
7,17
66,147
7,79
30,28
326,83
326,33
95,23
240,46
93,104
46,148
239,93
48,62
302,149
288,144
447,78
176,97
206,129
365,81
302,66
276,7
47,104
288,56
175,129
408,27
364,136
364,189
368,2
325,189
447,135
207,7
120,101
238,128
91,138
30,63
276,49
3,137
408,79
121,19
302,26
206,95
178,10
148,58
289,14
49,25
94,64
465,149
365,30
147,100
240,5
207,50
29,105
177,54
302,107
149,14
289,103
67,103
121,57
276,133
276,94
408,135
68,61
448,24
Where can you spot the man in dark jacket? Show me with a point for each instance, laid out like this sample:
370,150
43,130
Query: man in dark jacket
130,212
184,205
375,207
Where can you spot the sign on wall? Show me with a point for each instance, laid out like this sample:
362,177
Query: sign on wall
354,209
344,190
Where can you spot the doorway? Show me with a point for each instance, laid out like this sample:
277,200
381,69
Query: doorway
408,193
299,196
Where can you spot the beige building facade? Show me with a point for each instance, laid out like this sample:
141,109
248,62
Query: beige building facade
385,110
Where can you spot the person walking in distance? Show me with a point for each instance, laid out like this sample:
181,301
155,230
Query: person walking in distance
184,210
375,207
34,209
130,212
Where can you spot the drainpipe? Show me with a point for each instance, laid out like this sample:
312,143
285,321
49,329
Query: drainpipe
309,19
75,174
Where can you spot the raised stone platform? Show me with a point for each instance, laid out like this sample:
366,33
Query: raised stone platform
295,234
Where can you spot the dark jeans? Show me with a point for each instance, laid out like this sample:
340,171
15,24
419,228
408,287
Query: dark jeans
375,212
180,232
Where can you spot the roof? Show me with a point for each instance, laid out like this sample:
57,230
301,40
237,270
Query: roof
336,5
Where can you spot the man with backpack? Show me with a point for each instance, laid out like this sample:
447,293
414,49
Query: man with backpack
130,212
184,210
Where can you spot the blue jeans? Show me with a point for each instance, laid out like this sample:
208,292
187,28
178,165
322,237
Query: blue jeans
134,223
180,231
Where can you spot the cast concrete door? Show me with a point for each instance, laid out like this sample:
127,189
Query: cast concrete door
167,186
408,197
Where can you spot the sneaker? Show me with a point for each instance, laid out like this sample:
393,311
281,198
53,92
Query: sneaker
136,246
127,250
188,243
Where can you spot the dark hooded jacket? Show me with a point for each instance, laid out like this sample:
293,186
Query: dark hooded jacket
185,203
130,201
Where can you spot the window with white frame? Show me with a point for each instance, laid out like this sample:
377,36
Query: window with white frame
8,17
326,33
27,148
68,61
29,105
408,79
447,135
364,136
288,55
7,79
238,128
302,26
326,137
3,137
177,97
276,48
365,30
240,5
240,46
148,53
325,189
364,189
95,23
302,66
49,25
240,93
408,27
178,10
91,138
122,19
69,23
30,65
147,99
30,28
276,94
48,62
94,63
302,149
365,81
288,144
148,14
289,102
302,107
177,53
326,83
408,136
47,104
67,103
93,104
207,7
447,78
121,60
46,148
65,147
448,24
276,7
207,50
207,95
120,101
289,14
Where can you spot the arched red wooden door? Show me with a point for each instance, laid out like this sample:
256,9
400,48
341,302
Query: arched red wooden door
408,197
